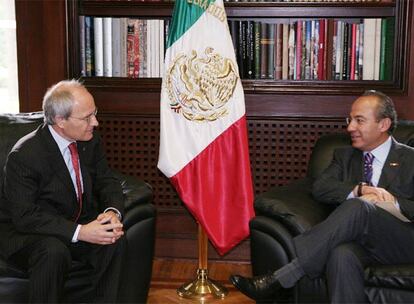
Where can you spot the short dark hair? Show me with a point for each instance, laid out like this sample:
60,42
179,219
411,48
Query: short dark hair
385,108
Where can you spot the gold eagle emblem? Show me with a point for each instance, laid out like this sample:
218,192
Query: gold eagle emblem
199,88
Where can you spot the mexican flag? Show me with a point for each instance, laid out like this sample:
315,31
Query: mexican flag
204,145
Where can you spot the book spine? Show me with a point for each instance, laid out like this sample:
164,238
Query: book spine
353,51
321,51
278,51
107,46
345,52
285,52
369,49
161,51
123,50
264,41
82,50
98,46
250,49
389,49
271,51
241,50
298,49
89,47
377,48
257,49
116,47
292,56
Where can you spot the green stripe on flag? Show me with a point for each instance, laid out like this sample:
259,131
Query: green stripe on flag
185,14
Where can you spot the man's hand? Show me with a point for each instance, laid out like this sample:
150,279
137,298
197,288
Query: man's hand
377,194
105,230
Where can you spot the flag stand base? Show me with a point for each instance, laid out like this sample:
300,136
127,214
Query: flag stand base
202,288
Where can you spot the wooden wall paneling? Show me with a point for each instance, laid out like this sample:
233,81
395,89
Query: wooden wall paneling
279,151
41,49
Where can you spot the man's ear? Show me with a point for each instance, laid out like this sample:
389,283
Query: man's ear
385,124
60,121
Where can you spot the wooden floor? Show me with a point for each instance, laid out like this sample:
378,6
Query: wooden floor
168,275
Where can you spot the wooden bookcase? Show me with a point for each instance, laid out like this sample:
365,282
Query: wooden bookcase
263,11
284,117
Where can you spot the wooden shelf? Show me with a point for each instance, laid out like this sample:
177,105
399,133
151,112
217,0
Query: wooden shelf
266,11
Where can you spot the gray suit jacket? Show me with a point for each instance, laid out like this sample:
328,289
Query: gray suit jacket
346,171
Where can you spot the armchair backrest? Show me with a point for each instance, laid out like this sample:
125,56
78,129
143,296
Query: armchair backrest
322,153
12,128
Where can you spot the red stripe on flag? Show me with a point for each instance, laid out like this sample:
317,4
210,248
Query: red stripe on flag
216,187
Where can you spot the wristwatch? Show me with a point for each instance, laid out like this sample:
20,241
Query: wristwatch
359,189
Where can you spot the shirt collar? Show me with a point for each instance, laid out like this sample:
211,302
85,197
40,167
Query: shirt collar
62,142
381,152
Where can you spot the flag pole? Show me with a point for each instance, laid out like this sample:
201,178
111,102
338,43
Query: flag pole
202,287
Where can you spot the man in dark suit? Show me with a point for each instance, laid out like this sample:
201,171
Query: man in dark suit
372,183
60,200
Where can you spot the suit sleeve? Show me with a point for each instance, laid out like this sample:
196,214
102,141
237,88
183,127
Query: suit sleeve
108,187
330,187
21,190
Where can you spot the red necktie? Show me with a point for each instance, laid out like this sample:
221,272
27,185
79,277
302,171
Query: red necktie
75,162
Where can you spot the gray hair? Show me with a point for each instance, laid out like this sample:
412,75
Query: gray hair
59,100
385,108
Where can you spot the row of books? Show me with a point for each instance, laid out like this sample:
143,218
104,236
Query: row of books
325,49
341,1
122,47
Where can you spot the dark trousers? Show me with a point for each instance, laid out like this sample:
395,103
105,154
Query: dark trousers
48,261
356,234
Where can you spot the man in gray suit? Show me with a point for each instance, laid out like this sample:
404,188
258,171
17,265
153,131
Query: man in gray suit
372,183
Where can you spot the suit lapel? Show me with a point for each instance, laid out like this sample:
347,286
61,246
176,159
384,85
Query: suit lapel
357,166
56,161
391,166
87,183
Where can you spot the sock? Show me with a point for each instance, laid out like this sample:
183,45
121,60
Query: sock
289,274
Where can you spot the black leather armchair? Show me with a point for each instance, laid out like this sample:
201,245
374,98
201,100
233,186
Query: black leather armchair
139,223
284,212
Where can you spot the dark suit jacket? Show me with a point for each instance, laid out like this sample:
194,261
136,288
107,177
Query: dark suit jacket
38,194
346,171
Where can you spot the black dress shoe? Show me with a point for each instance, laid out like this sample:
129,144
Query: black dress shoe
257,288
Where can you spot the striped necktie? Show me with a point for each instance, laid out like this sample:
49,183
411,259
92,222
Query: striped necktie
368,160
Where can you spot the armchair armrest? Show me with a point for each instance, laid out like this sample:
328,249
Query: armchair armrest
135,191
293,206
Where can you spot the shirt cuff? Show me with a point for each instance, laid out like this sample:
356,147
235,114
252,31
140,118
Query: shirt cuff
75,235
118,214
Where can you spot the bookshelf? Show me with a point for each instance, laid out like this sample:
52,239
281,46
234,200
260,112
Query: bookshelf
265,12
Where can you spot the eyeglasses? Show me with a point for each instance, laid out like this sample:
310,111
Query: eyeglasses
87,119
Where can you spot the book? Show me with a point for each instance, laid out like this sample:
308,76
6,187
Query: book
387,48
132,48
257,49
285,52
270,51
107,46
82,50
377,49
98,45
116,47
250,49
264,41
123,49
278,50
368,49
89,47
